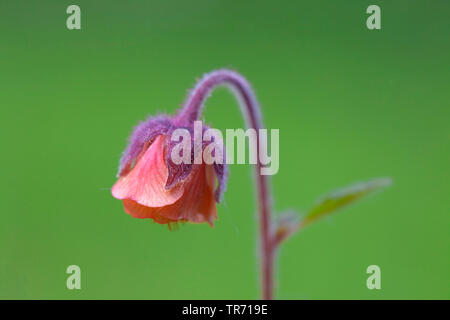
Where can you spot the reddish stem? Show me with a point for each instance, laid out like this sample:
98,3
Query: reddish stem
252,113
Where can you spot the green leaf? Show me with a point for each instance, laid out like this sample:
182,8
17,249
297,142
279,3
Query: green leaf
342,197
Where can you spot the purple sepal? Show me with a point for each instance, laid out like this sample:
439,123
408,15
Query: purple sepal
143,135
177,172
222,177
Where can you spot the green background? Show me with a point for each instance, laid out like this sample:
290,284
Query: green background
351,104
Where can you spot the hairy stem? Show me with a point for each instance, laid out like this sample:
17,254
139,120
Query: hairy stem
252,113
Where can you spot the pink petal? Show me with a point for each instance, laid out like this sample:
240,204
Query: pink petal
196,205
145,183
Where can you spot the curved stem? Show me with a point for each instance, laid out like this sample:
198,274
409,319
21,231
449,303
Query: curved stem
250,107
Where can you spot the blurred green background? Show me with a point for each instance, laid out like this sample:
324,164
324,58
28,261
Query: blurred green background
351,104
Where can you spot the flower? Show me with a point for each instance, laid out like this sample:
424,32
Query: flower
152,186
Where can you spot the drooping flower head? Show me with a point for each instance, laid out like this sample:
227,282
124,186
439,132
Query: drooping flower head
153,186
